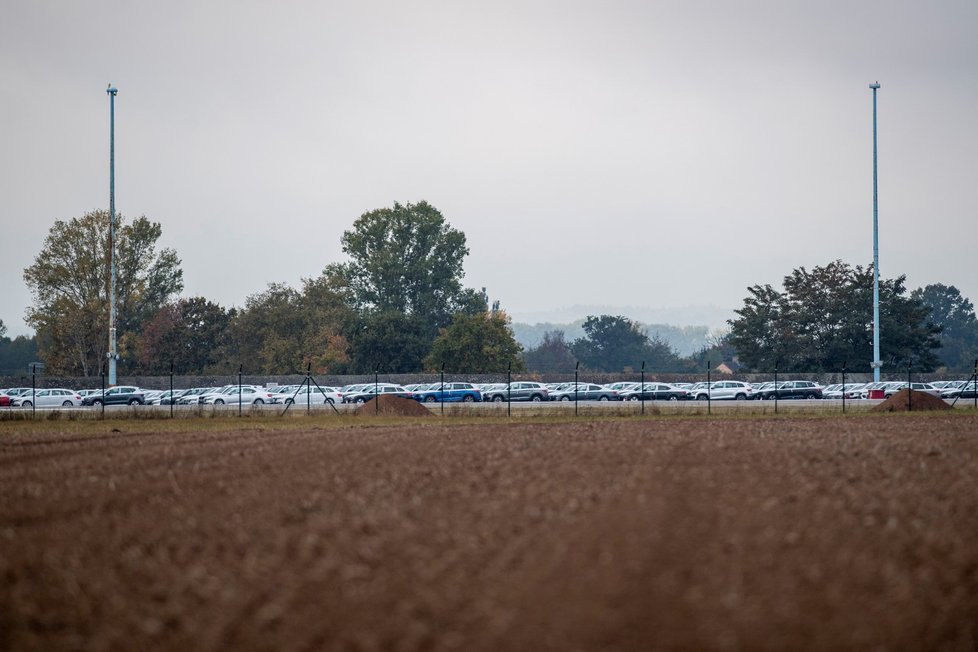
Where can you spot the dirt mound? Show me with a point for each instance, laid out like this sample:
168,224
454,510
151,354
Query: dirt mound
392,406
901,402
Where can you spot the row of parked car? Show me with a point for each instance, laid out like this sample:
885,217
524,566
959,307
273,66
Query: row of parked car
465,392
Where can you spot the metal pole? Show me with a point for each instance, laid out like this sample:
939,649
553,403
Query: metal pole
709,389
576,365
844,388
33,390
239,389
509,390
974,386
112,339
172,400
775,388
102,376
641,393
876,252
441,399
308,388
376,391
909,389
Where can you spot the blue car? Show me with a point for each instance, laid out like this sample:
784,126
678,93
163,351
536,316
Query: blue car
453,393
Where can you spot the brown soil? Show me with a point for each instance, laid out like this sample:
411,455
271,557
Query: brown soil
680,533
392,406
902,402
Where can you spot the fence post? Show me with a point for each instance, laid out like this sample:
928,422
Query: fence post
509,390
843,389
172,400
775,387
974,386
909,388
641,388
240,366
34,390
376,390
709,388
102,375
441,398
576,365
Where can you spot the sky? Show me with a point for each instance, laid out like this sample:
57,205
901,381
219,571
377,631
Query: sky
642,154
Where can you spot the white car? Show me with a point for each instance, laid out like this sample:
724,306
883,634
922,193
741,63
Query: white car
721,390
47,398
250,395
315,396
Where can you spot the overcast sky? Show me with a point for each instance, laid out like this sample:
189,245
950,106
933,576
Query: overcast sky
618,153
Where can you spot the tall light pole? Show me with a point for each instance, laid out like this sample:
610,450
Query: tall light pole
112,354
876,253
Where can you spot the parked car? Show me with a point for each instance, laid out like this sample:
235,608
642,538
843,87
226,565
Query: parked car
47,398
453,392
194,395
306,395
622,386
232,395
584,392
722,390
518,391
368,392
655,392
118,395
165,398
792,389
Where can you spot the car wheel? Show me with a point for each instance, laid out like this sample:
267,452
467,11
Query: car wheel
701,397
97,402
258,401
468,398
26,404
497,399
330,401
633,398
673,398
565,398
360,400
429,399
603,398
740,397
288,401
536,398
67,404
218,401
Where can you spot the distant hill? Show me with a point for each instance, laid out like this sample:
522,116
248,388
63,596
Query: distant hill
712,317
685,340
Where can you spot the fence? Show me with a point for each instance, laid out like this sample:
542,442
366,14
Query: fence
713,400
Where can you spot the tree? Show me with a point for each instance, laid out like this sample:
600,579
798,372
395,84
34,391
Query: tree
954,314
187,333
822,321
615,343
3,329
406,259
476,344
390,342
16,353
553,354
69,281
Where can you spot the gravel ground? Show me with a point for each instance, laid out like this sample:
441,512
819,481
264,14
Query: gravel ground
670,533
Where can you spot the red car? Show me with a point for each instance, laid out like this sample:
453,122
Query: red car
4,400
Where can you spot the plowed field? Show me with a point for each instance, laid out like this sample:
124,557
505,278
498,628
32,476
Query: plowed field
689,533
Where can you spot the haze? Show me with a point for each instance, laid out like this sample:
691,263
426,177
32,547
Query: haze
647,154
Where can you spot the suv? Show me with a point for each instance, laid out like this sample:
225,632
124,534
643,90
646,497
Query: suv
722,390
452,393
118,395
793,389
519,391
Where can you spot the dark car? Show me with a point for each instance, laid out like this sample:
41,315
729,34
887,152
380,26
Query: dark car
656,392
119,395
585,392
518,391
790,389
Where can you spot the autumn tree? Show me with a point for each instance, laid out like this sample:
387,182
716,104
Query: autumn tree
822,321
388,341
69,281
187,333
477,344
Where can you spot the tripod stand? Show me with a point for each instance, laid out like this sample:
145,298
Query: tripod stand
308,382
973,381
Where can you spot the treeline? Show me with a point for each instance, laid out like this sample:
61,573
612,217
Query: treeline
397,305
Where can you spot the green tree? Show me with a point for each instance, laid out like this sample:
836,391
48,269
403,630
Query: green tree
16,353
388,341
822,321
407,259
553,354
69,281
954,314
615,343
476,344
